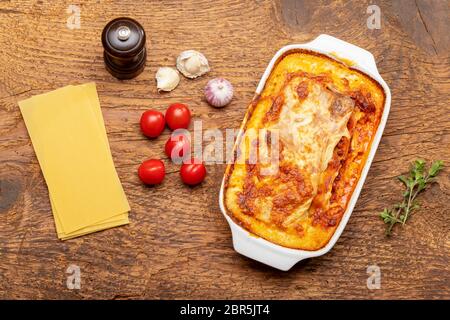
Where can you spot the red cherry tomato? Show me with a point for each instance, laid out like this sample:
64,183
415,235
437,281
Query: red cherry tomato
152,171
178,147
178,116
192,173
152,123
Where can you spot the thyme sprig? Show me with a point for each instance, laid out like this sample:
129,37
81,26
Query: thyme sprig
415,182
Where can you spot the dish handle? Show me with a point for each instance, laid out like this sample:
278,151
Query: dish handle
252,247
359,56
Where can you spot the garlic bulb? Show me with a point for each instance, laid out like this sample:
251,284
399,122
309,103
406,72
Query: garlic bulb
167,79
218,92
192,64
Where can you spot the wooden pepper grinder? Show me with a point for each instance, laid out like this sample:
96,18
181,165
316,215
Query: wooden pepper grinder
124,42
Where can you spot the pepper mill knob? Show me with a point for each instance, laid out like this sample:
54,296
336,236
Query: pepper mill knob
124,53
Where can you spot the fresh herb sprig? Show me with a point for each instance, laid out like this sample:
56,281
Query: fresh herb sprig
415,182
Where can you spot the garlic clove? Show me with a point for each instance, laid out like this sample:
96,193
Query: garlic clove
219,92
167,79
192,64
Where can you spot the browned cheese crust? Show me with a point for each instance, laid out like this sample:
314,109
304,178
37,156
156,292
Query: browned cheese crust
324,115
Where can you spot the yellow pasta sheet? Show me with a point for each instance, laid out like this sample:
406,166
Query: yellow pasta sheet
69,137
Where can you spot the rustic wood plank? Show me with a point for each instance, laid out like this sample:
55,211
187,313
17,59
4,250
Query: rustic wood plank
178,245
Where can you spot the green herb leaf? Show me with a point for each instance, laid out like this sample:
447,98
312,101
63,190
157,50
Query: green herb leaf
404,180
435,168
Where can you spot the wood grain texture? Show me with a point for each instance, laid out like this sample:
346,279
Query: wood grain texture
178,245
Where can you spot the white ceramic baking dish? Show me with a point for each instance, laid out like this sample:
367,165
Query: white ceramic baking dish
272,254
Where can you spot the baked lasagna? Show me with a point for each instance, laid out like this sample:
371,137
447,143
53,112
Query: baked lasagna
323,115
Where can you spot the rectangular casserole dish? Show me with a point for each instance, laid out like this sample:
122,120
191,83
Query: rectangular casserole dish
282,257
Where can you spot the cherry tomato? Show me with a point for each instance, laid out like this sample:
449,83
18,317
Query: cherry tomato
192,173
178,147
152,123
152,171
178,116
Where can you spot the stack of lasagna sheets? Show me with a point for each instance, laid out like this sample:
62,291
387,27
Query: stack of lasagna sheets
68,134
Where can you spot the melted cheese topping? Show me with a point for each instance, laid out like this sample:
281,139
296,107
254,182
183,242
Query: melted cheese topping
323,114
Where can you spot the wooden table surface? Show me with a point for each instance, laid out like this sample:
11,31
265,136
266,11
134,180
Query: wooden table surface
178,245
